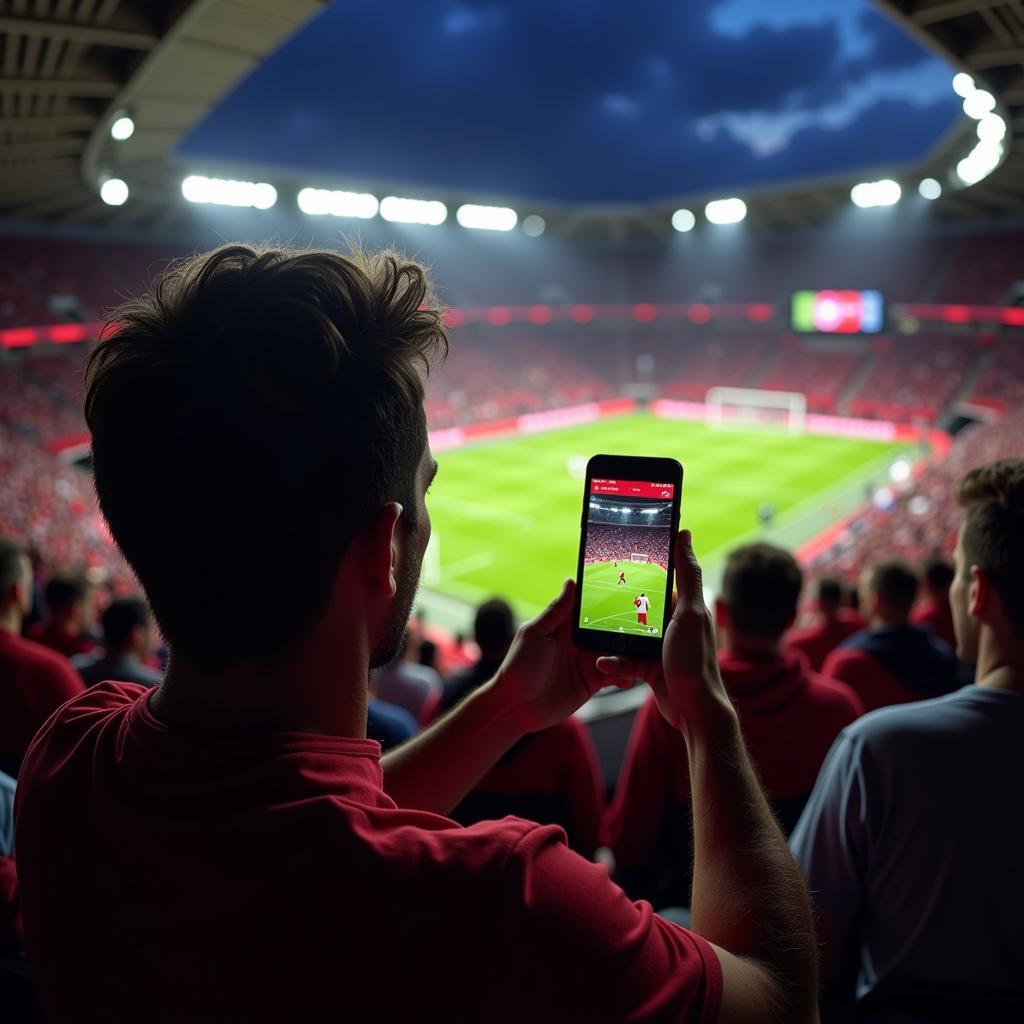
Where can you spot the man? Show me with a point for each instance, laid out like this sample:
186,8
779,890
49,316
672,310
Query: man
912,839
893,662
34,680
789,715
934,612
835,624
405,683
622,578
71,615
129,640
248,855
642,604
494,629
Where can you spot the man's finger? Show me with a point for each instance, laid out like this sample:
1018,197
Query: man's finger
557,612
688,574
621,668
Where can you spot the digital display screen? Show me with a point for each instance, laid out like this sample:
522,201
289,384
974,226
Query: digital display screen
834,312
626,556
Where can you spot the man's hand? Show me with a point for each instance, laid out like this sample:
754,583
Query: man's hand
687,683
544,678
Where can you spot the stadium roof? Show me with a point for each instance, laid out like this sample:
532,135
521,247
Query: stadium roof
68,73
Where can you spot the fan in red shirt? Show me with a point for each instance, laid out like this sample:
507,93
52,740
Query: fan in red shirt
934,611
34,680
893,661
835,624
231,847
789,715
71,615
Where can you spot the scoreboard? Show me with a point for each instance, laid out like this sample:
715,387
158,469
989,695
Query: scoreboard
838,312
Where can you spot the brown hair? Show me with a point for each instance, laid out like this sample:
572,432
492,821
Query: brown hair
896,584
760,587
992,498
247,417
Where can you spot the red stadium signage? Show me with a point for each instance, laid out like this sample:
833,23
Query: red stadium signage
631,488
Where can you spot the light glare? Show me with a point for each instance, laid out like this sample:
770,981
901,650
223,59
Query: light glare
122,128
963,84
991,128
979,103
683,220
725,211
486,218
197,188
876,193
114,192
324,201
413,211
534,225
930,188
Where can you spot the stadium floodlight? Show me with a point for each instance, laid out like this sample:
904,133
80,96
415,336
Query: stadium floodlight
534,225
725,211
683,220
413,211
114,192
991,128
930,189
876,193
486,218
197,188
325,201
122,127
963,84
979,103
980,162
900,471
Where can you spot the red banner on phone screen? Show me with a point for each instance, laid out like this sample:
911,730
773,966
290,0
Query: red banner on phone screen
631,488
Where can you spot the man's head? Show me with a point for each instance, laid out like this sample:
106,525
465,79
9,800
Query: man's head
71,601
494,629
828,595
760,590
888,591
128,628
15,583
260,448
987,594
937,576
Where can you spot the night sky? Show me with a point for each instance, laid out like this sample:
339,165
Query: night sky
585,101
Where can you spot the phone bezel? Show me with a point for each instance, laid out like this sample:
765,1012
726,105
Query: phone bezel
626,467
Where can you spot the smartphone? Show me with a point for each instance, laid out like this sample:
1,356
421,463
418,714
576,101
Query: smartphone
624,575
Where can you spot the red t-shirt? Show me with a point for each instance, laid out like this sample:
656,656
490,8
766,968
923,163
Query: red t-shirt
34,682
10,912
818,642
269,877
554,776
51,635
789,717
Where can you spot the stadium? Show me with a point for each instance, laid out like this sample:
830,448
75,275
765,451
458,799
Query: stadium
782,244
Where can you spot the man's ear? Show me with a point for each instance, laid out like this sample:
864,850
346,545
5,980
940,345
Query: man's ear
384,548
979,593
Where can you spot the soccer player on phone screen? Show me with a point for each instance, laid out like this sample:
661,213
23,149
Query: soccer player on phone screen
622,578
642,604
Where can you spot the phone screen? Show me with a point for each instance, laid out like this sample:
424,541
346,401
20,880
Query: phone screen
627,551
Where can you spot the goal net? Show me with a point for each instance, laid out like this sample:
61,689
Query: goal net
753,407
639,558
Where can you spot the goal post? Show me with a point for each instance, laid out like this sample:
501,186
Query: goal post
753,407
639,559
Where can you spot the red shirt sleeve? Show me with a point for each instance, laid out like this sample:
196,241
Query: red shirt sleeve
616,960
644,794
584,789
54,682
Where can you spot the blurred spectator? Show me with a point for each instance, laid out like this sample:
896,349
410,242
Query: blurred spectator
550,776
71,615
789,716
835,624
494,629
10,913
428,654
34,680
406,683
129,641
911,843
389,725
893,662
934,612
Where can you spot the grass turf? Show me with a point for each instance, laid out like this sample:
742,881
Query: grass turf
506,513
608,604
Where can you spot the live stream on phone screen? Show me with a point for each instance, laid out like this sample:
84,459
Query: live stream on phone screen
626,557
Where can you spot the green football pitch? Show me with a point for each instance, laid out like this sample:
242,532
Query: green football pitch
506,513
608,603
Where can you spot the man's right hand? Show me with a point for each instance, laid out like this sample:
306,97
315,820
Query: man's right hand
687,683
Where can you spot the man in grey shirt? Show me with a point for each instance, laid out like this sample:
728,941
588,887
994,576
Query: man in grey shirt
912,841
129,639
